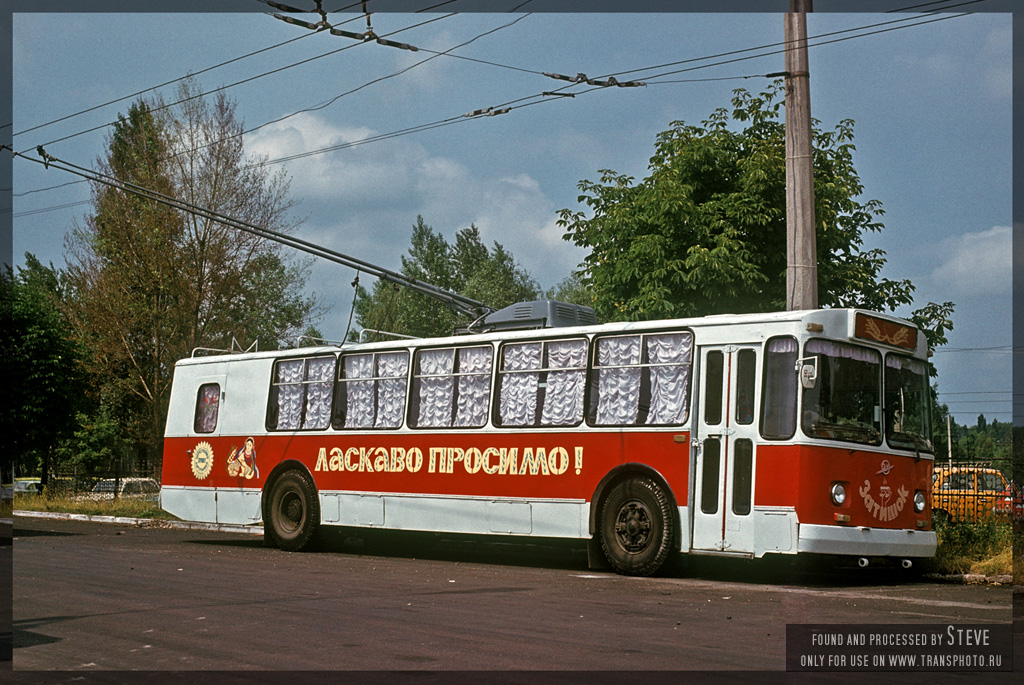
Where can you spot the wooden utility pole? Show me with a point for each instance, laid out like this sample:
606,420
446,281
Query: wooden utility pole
801,247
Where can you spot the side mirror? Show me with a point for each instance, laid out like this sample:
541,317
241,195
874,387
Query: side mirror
808,370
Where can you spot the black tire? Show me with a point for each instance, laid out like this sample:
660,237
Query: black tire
637,527
292,512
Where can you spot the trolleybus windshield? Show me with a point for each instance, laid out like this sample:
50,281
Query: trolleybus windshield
907,403
843,403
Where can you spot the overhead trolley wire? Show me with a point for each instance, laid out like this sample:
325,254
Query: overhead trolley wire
459,302
248,80
905,20
166,83
322,105
552,95
547,96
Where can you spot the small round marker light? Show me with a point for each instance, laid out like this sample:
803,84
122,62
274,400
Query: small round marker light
919,501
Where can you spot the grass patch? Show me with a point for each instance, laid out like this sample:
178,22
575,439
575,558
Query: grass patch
1018,552
985,548
127,507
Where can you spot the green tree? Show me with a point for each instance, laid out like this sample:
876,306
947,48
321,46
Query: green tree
44,381
467,267
705,232
150,283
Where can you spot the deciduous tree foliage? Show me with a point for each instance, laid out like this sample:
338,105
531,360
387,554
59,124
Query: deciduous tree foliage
467,267
150,283
705,232
44,381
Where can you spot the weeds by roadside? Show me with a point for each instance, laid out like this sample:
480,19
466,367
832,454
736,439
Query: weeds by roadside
984,548
125,506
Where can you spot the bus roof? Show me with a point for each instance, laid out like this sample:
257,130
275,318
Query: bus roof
833,319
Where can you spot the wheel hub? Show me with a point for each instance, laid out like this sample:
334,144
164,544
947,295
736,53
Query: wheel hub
633,526
291,509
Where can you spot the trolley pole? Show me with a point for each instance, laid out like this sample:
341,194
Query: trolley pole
801,247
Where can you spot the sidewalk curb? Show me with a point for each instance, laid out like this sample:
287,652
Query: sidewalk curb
972,579
143,523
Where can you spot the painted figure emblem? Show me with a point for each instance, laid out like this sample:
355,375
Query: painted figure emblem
242,462
202,460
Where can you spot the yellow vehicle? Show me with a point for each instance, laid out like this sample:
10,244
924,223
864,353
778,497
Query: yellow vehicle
965,493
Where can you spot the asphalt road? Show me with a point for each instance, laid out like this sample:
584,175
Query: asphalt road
108,597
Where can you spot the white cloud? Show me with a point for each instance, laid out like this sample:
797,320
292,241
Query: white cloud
977,263
364,199
995,60
352,176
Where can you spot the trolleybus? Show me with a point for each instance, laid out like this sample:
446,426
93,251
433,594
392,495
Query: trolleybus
792,433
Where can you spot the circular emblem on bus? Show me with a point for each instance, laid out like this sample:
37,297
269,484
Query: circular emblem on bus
202,460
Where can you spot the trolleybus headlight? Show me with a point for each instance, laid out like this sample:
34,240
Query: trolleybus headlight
918,501
838,493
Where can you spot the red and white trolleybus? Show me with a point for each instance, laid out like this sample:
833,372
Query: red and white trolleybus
737,435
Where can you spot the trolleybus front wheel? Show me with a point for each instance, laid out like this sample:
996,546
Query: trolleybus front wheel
636,527
293,512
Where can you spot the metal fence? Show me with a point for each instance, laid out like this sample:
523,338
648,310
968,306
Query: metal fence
74,484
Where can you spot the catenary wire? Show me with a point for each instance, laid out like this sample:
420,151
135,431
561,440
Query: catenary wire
513,103
246,80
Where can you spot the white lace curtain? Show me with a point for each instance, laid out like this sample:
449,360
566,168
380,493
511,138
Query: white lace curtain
319,390
474,386
379,400
563,401
621,372
557,368
436,388
359,394
670,377
392,374
618,388
304,389
519,384
453,394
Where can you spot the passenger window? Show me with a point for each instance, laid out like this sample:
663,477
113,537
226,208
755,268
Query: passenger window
371,390
743,472
300,394
778,392
641,380
207,408
745,369
451,387
709,481
542,383
713,376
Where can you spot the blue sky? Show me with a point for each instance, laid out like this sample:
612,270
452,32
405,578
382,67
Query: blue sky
932,106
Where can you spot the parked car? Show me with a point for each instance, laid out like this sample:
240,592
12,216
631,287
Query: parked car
27,487
966,493
1010,503
134,488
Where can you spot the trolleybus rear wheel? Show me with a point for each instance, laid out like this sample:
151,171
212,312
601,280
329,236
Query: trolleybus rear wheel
293,512
636,527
